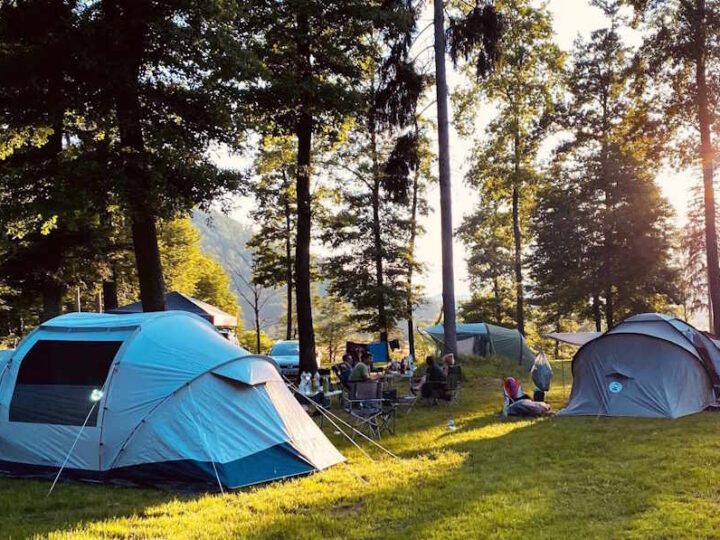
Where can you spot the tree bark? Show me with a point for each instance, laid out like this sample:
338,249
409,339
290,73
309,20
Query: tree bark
110,293
256,309
609,308
288,266
597,312
303,294
411,263
517,238
147,260
706,155
446,229
496,297
129,20
52,295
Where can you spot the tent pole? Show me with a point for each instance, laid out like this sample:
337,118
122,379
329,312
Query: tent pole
77,438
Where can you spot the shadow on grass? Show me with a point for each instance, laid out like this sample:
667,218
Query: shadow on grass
28,510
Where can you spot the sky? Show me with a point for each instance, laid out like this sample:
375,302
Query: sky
572,18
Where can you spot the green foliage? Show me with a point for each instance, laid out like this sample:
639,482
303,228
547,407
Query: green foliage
334,326
188,270
524,87
248,340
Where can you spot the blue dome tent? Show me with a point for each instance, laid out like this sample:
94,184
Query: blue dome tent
482,339
152,399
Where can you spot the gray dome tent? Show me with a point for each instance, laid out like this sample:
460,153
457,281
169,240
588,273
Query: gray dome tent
481,339
649,365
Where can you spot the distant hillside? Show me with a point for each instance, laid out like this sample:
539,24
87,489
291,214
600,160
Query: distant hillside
225,239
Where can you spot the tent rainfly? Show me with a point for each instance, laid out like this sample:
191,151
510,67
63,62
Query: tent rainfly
177,301
150,399
482,339
648,365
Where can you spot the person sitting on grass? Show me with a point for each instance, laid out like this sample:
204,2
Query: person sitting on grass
361,371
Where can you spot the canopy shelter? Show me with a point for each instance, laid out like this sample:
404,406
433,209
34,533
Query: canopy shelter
482,339
573,338
648,365
177,301
150,399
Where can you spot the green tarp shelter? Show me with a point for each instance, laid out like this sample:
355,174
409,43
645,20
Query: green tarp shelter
482,339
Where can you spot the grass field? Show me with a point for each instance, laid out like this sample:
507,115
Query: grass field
491,477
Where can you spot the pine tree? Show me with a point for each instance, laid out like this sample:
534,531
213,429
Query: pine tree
273,245
525,87
682,51
313,56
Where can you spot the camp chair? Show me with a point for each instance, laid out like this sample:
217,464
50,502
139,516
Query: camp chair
447,390
369,411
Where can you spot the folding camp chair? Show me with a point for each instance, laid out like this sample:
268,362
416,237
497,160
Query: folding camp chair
369,411
446,391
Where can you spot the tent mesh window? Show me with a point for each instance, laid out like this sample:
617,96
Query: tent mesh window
56,381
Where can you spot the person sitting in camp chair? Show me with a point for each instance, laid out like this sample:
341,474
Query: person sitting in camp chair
519,404
344,368
361,371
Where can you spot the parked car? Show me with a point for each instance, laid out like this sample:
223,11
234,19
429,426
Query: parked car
287,355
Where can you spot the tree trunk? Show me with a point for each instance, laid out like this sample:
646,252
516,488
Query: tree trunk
446,228
609,308
706,155
303,294
519,300
130,22
377,243
597,312
149,268
52,296
496,296
519,293
557,343
288,267
109,292
256,309
411,264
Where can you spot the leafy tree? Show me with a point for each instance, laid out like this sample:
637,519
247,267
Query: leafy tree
524,86
487,233
335,325
273,245
164,75
312,54
682,51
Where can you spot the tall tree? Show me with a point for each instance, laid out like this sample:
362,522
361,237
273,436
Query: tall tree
273,245
313,55
487,234
473,36
525,87
166,73
372,230
682,50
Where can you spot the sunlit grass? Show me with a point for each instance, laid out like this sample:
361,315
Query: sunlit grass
491,477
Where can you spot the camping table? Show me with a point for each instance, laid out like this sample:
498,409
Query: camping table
390,376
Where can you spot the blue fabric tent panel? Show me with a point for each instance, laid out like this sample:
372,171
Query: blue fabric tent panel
379,350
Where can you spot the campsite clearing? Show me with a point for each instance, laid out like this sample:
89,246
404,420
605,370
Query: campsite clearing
550,478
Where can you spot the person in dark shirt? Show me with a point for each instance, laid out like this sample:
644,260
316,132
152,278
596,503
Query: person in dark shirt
434,372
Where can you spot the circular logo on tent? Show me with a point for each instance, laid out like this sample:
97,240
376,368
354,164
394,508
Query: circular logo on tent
615,387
